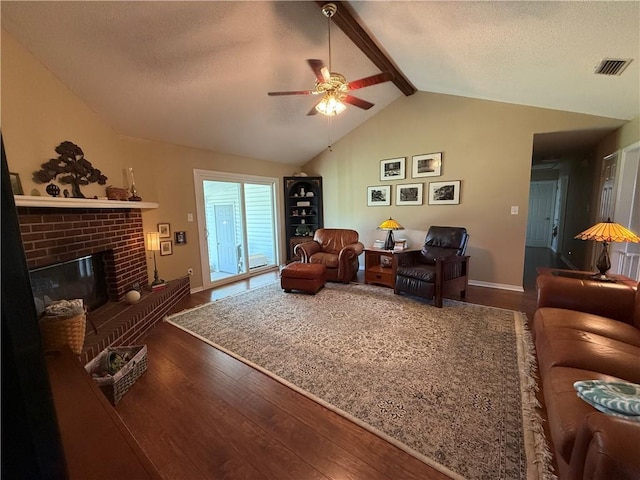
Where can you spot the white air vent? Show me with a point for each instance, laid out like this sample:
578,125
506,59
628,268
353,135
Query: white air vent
612,66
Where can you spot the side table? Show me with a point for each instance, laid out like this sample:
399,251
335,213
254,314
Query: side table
380,267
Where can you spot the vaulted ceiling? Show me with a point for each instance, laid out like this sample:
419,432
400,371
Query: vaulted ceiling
198,73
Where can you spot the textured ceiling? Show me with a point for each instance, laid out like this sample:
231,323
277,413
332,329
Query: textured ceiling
197,73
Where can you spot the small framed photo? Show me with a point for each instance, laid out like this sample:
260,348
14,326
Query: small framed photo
16,186
181,238
164,229
409,194
392,169
166,247
444,193
428,165
379,195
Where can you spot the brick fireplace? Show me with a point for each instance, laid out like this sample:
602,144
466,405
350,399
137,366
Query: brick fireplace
54,235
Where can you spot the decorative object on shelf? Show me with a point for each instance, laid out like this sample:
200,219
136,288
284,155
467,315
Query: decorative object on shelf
164,230
303,231
303,204
409,194
379,196
392,169
428,165
72,168
53,190
132,297
386,262
153,244
134,192
607,232
390,225
166,247
310,194
444,193
302,193
181,238
16,185
117,193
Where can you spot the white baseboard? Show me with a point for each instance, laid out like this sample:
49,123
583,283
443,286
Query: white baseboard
196,290
501,286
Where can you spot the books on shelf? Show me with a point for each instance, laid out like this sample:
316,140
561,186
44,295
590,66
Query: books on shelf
400,245
378,244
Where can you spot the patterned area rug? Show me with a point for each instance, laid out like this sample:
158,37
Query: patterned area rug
451,386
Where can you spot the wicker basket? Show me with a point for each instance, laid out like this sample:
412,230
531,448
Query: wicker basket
117,193
115,386
58,332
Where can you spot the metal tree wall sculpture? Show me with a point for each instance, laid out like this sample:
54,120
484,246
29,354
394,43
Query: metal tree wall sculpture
71,167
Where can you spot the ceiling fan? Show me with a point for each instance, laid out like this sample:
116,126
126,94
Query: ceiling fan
333,86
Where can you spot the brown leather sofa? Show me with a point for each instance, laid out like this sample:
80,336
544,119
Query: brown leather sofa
587,330
335,248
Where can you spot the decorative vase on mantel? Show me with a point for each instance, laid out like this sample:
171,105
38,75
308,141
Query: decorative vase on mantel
134,192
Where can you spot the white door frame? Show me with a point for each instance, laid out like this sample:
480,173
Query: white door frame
200,175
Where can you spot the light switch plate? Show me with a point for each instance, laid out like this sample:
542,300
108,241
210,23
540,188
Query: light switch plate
514,210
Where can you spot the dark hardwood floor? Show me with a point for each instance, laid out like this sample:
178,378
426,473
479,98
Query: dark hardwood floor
200,414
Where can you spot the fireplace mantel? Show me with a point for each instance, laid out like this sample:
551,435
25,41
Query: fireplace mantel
61,202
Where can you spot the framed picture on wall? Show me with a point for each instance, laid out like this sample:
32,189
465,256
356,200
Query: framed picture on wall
379,195
428,165
166,247
16,186
164,229
409,194
444,193
181,238
392,169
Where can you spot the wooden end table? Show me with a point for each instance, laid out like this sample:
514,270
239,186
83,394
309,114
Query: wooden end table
380,266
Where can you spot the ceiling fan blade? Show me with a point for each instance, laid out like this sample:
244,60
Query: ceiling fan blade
372,80
357,102
322,72
294,92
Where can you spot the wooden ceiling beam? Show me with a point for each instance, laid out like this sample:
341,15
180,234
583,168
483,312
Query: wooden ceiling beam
346,21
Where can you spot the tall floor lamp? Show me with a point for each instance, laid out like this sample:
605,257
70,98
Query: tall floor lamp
153,244
607,232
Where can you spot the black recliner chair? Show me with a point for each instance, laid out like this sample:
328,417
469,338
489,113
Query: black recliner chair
440,269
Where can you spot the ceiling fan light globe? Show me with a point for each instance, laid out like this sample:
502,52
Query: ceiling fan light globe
330,106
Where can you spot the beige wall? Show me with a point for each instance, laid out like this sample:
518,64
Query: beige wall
487,145
39,112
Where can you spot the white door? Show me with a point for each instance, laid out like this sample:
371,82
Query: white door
542,199
227,254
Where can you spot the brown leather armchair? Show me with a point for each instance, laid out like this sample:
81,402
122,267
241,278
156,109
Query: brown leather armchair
335,248
439,269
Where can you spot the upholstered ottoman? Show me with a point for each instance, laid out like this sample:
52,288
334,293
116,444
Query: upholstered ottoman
306,277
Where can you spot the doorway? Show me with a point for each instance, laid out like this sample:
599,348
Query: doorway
237,225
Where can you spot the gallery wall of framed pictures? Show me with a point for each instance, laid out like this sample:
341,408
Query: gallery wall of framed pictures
423,165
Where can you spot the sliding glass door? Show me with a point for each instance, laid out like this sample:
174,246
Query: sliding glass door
237,223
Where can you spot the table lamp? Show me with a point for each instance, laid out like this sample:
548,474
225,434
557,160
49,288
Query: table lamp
390,225
607,232
153,244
